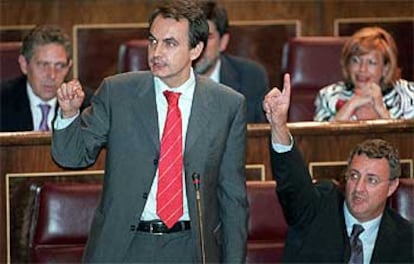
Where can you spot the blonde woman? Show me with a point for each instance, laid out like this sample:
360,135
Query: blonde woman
372,87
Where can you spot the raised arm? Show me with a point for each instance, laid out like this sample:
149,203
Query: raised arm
70,96
276,105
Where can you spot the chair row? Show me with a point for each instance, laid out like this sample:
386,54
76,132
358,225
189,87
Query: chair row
312,61
62,213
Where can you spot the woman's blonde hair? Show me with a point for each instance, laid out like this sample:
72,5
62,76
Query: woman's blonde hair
368,39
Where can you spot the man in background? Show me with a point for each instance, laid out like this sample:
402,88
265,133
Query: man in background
243,75
29,102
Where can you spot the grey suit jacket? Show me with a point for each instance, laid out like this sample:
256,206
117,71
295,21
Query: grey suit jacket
123,118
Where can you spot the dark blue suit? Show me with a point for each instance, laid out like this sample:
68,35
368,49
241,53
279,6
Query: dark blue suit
248,78
15,113
15,106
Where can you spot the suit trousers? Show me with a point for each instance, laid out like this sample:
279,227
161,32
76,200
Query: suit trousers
164,248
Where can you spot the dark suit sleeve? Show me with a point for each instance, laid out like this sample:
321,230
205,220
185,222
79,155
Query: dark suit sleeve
296,192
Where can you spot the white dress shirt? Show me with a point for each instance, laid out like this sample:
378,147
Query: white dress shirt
367,237
35,101
185,102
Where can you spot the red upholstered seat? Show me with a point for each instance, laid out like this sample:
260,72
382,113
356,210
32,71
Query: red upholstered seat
403,198
133,55
9,65
60,221
267,225
312,62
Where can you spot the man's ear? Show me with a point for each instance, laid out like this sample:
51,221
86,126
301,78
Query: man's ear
196,51
224,41
70,63
393,186
23,64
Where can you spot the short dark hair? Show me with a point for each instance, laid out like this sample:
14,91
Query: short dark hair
187,9
378,149
43,35
217,15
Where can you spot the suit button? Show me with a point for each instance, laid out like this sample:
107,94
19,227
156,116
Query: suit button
132,227
145,195
155,162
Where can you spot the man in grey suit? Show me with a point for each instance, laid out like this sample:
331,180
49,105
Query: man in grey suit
321,217
243,75
127,116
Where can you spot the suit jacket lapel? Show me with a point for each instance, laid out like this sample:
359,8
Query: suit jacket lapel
386,239
145,108
199,120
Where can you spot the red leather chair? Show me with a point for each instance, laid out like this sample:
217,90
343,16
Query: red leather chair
267,225
132,55
9,65
402,199
60,221
312,62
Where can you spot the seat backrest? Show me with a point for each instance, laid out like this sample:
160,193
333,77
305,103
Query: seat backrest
267,225
60,221
132,55
9,65
313,62
402,199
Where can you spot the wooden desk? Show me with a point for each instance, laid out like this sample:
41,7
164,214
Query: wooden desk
29,152
327,142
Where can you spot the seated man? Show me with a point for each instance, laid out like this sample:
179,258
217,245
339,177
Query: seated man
29,102
245,76
325,224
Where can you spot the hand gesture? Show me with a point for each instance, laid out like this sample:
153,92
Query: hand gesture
276,105
70,96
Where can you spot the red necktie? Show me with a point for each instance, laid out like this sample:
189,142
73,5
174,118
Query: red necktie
170,192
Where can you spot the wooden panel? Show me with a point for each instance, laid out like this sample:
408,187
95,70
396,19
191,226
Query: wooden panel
14,32
96,47
401,28
262,41
27,154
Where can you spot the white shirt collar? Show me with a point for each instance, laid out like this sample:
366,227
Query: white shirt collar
186,89
350,220
36,100
215,75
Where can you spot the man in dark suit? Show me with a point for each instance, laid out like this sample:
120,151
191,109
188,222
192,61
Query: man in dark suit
45,61
321,217
243,75
127,116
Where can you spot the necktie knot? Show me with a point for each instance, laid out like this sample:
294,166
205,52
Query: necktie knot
357,254
172,98
45,108
356,230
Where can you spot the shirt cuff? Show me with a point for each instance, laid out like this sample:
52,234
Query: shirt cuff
279,148
61,123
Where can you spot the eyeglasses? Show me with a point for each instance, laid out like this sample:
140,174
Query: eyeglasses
370,180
